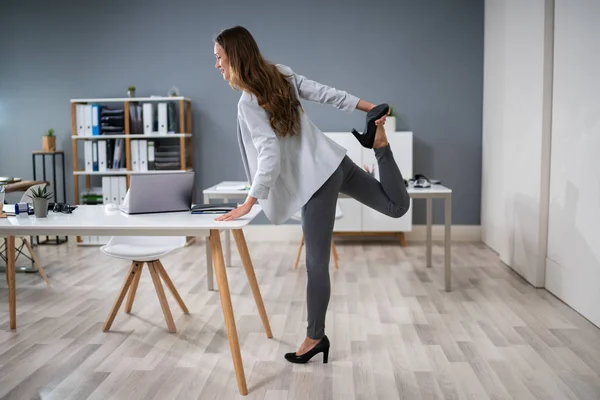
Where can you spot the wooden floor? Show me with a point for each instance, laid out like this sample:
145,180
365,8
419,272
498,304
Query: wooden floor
395,333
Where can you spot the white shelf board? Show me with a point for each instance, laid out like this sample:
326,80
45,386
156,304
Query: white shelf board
125,172
133,137
130,99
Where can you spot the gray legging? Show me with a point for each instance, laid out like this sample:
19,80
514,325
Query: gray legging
388,196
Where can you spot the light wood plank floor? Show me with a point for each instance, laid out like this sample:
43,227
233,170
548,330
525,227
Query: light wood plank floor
395,332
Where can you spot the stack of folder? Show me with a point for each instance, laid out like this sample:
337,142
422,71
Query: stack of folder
112,121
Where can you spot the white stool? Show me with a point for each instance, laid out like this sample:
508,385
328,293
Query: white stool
298,217
140,250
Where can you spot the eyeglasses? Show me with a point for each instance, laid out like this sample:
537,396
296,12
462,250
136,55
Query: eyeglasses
63,208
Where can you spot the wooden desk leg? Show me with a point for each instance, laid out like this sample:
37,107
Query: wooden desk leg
429,218
240,242
11,278
234,345
447,242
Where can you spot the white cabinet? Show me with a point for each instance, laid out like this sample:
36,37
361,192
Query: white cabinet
357,216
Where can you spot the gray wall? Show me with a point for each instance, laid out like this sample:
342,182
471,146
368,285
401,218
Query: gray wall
424,57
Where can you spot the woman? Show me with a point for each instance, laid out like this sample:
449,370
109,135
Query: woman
292,165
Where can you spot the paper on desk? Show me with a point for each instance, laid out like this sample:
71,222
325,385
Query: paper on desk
226,187
9,179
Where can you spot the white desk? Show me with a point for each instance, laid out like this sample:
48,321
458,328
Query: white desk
220,191
94,220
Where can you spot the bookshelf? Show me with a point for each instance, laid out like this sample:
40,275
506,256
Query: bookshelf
128,121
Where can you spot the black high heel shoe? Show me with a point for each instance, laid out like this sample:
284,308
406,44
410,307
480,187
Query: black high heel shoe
367,138
321,347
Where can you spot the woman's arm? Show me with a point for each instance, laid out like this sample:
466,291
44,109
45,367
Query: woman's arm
269,160
267,147
314,91
323,94
364,106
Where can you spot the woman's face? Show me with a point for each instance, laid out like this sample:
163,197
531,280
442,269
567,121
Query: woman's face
222,63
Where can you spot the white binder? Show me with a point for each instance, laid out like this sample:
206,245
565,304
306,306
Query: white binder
162,118
95,155
143,154
87,154
122,182
106,190
87,119
151,158
135,158
148,118
114,189
95,119
102,165
80,114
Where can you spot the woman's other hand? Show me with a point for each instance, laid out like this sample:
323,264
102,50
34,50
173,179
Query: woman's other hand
239,212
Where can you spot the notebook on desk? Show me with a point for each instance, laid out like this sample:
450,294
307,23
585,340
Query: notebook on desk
214,208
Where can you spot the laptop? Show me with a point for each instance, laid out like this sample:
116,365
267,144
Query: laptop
158,193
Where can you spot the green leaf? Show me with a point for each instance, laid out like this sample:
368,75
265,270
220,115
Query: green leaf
40,193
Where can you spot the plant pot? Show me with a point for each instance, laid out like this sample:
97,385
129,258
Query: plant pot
49,143
131,93
40,207
390,124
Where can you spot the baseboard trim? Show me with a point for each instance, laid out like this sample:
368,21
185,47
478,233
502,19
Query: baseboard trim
287,233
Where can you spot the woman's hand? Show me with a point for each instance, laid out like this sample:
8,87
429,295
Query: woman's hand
381,121
239,211
366,107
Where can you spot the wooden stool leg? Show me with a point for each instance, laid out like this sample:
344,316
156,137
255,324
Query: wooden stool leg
133,289
242,246
164,304
299,252
170,285
126,283
223,285
334,252
35,260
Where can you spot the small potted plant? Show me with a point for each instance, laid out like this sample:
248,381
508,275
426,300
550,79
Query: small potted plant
390,121
174,91
49,141
40,196
131,91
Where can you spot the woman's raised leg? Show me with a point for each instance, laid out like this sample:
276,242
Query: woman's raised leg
387,195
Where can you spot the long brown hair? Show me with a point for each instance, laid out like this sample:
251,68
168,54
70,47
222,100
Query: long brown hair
250,72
